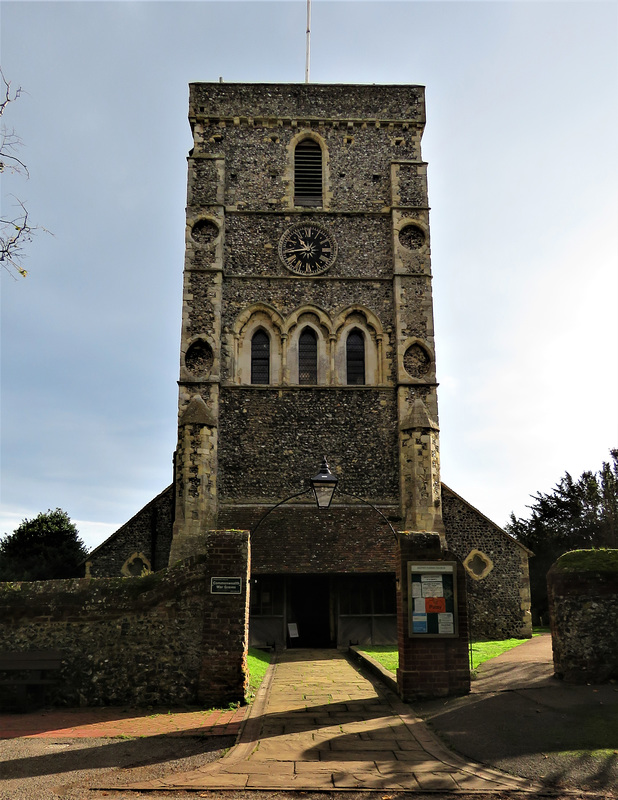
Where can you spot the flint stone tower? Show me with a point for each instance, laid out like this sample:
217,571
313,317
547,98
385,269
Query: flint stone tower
275,169
307,330
307,323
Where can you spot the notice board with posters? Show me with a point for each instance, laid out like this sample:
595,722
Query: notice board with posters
432,599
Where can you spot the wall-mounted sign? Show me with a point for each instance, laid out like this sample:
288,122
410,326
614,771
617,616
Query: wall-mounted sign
225,585
432,599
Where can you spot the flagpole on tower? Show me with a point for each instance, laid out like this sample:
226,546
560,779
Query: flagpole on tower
308,41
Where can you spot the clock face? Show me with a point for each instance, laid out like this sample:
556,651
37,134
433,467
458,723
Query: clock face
308,249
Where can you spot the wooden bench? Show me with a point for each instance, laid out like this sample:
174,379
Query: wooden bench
32,668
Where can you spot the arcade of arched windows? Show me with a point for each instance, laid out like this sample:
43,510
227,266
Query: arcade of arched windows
309,348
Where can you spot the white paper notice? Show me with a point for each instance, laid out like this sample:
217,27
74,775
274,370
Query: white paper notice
419,605
432,586
445,623
416,589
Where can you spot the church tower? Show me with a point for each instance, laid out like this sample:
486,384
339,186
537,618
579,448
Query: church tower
307,325
307,331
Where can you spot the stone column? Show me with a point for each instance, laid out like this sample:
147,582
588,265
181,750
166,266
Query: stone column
417,401
200,356
196,489
419,455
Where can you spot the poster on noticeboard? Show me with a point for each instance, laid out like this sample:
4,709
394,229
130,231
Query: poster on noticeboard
432,599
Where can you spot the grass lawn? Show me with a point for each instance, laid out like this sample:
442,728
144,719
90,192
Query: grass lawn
481,651
257,661
384,654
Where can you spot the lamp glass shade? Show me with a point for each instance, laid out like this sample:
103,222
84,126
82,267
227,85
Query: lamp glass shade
324,485
324,494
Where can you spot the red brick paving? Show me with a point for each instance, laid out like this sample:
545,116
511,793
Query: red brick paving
95,723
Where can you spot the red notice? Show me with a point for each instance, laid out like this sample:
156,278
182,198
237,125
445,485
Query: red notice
435,605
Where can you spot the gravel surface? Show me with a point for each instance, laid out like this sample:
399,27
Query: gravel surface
45,769
233,794
48,769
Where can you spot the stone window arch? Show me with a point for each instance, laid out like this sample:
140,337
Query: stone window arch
308,356
308,173
348,362
307,319
260,357
355,357
249,365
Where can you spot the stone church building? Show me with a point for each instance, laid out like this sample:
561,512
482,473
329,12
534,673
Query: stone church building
307,331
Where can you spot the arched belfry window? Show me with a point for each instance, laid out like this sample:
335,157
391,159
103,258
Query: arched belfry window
260,357
308,173
355,357
308,357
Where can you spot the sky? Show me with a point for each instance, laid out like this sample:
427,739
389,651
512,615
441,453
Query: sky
522,113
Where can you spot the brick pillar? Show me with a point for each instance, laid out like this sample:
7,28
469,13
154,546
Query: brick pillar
223,674
430,667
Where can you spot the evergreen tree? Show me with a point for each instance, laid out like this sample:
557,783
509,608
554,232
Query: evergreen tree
42,548
576,515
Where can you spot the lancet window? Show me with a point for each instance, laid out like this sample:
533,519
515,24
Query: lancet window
260,357
355,358
308,357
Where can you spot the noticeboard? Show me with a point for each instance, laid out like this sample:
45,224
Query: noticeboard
432,599
226,585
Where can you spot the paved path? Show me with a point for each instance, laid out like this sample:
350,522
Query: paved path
318,723
528,666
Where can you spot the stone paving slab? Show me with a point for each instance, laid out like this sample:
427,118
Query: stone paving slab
318,723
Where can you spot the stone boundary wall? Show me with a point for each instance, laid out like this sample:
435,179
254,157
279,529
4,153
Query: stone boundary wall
583,610
161,639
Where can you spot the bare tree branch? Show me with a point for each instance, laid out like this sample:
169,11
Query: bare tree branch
15,231
9,144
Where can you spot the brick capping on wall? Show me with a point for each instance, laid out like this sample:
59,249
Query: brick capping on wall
161,639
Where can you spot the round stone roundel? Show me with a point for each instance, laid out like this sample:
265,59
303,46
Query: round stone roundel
204,231
199,358
416,361
411,237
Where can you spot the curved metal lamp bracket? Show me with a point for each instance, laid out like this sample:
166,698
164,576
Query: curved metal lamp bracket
280,503
377,510
306,491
